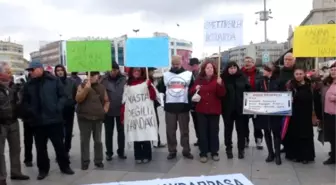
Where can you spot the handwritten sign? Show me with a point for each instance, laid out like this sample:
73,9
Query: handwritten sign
267,103
230,179
140,118
147,52
315,41
226,30
85,56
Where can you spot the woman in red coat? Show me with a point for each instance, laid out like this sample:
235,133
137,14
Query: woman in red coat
211,89
142,149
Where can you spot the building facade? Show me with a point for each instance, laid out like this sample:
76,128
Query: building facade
35,56
323,12
51,53
272,49
12,53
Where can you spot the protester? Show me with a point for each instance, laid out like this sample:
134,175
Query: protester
156,105
253,75
44,99
270,124
9,127
194,62
137,84
232,107
175,85
74,76
70,90
28,137
299,139
287,72
325,72
93,104
114,83
328,93
210,87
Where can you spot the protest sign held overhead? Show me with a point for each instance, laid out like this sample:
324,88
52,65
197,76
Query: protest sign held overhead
140,119
225,30
315,41
147,52
85,56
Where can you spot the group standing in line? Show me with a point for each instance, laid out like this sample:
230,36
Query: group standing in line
47,104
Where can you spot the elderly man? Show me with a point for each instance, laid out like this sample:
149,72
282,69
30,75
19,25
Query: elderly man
44,99
9,127
253,75
287,72
175,85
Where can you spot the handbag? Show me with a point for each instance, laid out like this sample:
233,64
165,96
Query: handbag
196,97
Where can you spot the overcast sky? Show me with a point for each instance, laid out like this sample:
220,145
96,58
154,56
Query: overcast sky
31,21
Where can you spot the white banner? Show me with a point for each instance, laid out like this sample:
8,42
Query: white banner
140,119
225,30
268,103
231,179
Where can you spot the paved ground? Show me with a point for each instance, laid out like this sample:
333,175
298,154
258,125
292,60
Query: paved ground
253,167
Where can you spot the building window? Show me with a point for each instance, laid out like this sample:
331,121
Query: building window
172,52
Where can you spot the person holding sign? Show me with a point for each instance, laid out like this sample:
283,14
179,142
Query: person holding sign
175,86
299,139
270,124
138,114
211,89
232,107
93,104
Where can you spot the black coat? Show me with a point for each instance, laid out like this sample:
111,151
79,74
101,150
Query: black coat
286,74
44,100
264,121
235,86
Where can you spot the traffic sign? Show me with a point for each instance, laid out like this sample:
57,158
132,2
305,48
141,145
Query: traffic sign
265,57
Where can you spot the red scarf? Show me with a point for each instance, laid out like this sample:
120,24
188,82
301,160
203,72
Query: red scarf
251,74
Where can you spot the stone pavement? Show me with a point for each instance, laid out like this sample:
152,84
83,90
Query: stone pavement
253,166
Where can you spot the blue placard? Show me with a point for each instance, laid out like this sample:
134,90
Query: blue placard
147,52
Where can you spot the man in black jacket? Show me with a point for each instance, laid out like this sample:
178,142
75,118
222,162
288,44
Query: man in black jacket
70,90
9,127
175,86
44,100
194,62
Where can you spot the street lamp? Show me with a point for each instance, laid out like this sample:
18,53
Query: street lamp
136,31
264,16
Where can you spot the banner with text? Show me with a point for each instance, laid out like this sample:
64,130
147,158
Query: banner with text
231,179
315,41
83,56
140,119
226,30
268,103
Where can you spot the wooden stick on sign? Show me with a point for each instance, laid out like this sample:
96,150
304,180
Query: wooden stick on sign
219,61
147,75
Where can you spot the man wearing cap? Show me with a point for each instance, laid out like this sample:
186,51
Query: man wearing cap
114,83
9,127
175,86
194,63
44,99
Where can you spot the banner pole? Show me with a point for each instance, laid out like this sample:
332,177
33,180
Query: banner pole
147,75
219,60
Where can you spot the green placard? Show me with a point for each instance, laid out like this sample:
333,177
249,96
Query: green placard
83,56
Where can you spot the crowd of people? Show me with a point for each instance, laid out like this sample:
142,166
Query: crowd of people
47,104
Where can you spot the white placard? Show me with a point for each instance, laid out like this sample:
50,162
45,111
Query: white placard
140,119
231,179
268,103
225,30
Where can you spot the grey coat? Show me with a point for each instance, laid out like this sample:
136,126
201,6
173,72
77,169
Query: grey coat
115,90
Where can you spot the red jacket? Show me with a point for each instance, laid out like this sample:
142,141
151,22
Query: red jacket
211,93
152,96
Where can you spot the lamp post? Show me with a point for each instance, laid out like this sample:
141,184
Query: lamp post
264,16
136,31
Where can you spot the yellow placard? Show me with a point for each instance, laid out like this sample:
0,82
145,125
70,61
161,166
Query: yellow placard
315,41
